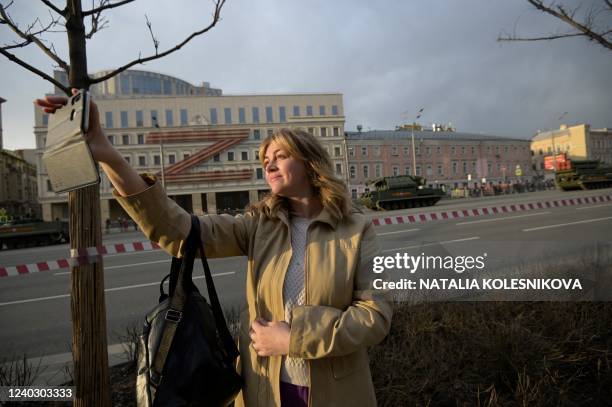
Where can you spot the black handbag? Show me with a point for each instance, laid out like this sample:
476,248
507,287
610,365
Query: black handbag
186,354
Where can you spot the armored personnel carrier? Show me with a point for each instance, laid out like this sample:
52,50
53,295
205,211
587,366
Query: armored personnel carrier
404,191
584,174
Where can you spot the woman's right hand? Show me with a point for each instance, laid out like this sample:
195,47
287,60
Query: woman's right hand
101,149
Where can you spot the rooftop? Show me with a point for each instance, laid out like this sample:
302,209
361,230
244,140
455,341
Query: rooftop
425,135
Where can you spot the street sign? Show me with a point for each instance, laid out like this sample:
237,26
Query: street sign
518,171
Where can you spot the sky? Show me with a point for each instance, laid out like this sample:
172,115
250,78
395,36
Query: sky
389,58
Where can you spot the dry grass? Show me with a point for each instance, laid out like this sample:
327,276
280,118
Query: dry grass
496,354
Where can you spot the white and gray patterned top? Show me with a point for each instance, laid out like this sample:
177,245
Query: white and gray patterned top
295,370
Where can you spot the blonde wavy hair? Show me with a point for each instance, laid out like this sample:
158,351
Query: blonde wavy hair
303,146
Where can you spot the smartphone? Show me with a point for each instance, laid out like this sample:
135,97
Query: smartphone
67,157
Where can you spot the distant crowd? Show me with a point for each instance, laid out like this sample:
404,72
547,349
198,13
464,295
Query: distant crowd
500,189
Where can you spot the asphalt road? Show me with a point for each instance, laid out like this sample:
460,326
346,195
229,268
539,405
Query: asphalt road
35,308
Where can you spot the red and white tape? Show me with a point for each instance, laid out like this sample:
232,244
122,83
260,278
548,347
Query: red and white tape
489,210
83,256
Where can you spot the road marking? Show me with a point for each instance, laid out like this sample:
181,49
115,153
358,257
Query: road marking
590,207
566,224
493,220
119,267
399,231
127,287
431,244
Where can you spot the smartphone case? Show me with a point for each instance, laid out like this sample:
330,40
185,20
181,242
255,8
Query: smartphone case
67,157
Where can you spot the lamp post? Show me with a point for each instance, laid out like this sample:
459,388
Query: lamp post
412,138
161,152
553,144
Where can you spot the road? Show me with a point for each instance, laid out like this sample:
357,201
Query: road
35,308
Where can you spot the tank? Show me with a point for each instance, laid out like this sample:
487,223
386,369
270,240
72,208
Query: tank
404,191
584,174
32,233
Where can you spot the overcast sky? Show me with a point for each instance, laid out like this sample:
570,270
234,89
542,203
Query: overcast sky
386,57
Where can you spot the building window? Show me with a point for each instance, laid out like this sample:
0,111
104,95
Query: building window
378,170
462,150
473,150
453,150
353,193
269,118
489,167
336,132
440,170
230,156
270,132
216,158
334,110
49,186
395,171
241,115
255,112
394,150
259,172
282,116
438,150
418,170
213,115
139,118
296,111
186,156
364,151
140,138
169,118
125,139
227,112
108,117
406,151
244,156
454,167
308,110
338,169
171,158
366,171
417,150
256,155
428,170
323,131
352,171
154,118
256,134
464,165
311,130
336,151
124,119
156,160
406,170
142,160
351,151
111,138
428,150
126,158
184,119
376,151
474,167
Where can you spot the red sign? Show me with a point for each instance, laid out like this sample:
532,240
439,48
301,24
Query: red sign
561,162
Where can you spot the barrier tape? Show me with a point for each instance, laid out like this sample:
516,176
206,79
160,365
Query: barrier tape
92,255
79,257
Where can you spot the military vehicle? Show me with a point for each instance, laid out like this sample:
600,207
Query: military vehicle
399,192
584,174
19,234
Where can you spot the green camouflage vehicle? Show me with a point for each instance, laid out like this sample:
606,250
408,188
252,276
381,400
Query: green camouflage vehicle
584,174
20,234
404,191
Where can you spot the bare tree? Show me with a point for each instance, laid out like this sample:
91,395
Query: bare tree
592,22
87,292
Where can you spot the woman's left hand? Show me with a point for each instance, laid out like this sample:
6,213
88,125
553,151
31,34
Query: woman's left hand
270,338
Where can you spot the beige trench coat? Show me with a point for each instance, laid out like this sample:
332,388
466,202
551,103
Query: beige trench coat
341,317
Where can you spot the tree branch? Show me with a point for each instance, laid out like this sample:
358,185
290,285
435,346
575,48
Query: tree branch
97,23
54,8
30,68
216,17
586,28
105,5
155,41
31,37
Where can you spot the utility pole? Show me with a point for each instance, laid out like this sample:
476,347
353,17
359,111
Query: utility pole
418,115
161,152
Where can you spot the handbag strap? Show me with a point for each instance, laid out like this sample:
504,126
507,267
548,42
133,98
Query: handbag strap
174,314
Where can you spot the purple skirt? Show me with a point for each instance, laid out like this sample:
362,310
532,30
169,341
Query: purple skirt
292,395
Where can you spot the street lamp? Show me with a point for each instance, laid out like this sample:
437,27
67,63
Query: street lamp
412,138
553,144
161,152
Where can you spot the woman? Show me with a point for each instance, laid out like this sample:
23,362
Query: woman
310,312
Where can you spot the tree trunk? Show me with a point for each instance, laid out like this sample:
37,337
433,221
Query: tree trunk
88,309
